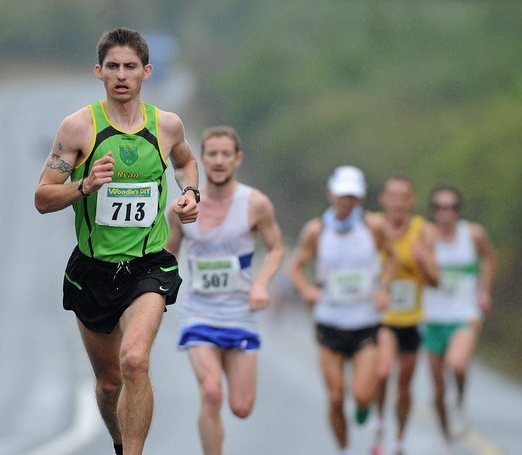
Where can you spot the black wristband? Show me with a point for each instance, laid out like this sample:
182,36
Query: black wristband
80,188
194,190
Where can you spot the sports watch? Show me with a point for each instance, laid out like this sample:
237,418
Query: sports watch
194,190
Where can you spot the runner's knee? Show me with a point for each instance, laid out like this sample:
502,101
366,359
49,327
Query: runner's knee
404,389
212,394
108,387
383,371
364,392
134,364
108,380
336,398
458,368
364,400
242,409
438,394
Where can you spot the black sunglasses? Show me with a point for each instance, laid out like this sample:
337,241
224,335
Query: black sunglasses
437,207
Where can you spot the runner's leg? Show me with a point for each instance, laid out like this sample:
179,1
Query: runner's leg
332,366
437,371
387,352
103,351
458,357
364,381
407,364
139,325
241,372
207,363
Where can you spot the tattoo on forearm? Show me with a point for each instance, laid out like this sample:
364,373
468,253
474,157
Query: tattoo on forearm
55,162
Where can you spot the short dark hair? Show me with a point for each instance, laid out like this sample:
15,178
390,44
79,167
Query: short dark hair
443,188
401,177
123,37
220,131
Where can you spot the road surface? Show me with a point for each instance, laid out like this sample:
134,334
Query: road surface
46,395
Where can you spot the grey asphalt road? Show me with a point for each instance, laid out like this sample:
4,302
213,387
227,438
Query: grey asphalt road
46,388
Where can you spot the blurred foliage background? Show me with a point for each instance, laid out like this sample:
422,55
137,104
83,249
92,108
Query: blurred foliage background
430,88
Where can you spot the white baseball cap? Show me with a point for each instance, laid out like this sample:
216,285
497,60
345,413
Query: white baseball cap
347,181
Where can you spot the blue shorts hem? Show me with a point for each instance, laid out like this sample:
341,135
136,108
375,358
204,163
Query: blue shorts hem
221,338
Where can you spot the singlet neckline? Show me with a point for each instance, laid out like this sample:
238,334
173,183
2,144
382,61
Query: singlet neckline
110,122
227,216
456,234
405,231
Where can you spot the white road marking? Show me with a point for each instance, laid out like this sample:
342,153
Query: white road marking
481,446
85,426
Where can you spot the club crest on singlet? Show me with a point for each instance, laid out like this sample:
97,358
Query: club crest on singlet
129,153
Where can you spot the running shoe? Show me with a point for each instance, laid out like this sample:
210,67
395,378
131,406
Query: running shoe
459,423
399,448
361,415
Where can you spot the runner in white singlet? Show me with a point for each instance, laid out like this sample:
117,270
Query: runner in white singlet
353,287
219,327
454,309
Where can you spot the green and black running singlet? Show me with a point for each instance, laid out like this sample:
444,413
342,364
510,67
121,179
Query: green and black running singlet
124,219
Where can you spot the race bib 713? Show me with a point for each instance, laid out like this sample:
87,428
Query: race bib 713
127,204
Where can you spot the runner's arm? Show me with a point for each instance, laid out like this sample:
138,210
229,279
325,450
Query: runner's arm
176,234
52,193
488,266
389,262
270,234
304,254
184,164
424,253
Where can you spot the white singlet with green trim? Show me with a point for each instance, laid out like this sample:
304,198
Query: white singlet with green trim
456,297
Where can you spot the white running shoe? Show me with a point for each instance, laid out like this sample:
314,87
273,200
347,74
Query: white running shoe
459,423
447,449
399,448
377,428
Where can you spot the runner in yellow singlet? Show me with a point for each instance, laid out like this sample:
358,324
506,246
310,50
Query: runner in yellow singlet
412,238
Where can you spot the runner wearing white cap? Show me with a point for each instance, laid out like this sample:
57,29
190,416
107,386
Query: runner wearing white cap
346,245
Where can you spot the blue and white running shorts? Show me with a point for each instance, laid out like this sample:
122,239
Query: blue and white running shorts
222,338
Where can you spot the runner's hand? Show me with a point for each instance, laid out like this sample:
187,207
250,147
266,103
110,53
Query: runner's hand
382,299
419,252
186,208
101,173
259,298
311,294
485,302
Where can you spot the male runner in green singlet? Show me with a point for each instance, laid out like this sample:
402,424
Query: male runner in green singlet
119,278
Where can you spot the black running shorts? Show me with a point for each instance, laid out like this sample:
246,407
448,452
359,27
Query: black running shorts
99,292
346,342
408,338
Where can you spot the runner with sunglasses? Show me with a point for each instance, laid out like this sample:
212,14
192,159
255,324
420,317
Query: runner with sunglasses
454,309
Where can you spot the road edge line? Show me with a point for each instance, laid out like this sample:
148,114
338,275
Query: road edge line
86,424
